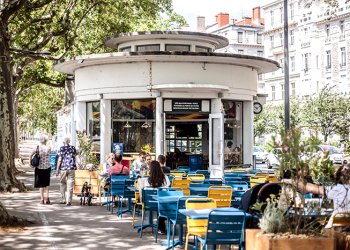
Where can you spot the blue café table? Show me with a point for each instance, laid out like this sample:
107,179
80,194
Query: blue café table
174,199
201,214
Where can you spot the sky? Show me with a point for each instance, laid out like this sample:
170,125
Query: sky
190,9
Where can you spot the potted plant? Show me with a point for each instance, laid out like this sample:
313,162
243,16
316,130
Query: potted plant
287,222
85,155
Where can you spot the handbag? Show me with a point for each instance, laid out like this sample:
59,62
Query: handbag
36,158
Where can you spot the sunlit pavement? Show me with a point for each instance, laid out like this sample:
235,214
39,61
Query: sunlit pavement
71,227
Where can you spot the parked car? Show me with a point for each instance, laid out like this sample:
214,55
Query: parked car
261,156
335,155
272,158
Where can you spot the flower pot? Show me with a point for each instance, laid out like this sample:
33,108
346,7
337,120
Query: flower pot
343,241
257,241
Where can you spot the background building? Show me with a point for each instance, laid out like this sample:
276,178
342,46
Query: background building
318,44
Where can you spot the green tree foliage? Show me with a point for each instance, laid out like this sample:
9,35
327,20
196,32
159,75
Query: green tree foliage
328,112
264,122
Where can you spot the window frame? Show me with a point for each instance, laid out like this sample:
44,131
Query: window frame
124,48
292,60
273,93
238,33
146,45
292,11
241,51
329,59
293,88
202,47
272,18
282,14
182,45
291,37
283,91
343,56
342,28
257,38
260,53
272,41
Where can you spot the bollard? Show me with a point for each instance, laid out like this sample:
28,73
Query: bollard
254,162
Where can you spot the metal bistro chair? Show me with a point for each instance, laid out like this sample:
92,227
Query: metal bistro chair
228,179
237,184
199,184
224,227
197,227
206,173
150,205
253,171
182,183
178,173
170,177
138,203
272,178
236,198
196,177
221,194
183,168
215,182
168,209
230,174
262,174
116,187
127,194
256,181
53,163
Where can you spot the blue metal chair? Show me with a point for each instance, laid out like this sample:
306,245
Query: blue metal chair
150,205
206,173
236,198
230,174
116,188
179,219
183,168
215,182
237,184
233,179
225,227
127,194
167,210
53,163
199,184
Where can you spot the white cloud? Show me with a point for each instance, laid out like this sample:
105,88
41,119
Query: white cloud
189,9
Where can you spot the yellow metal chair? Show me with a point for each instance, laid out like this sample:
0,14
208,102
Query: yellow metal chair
221,194
198,227
178,173
183,183
262,174
196,177
272,178
340,221
137,203
256,181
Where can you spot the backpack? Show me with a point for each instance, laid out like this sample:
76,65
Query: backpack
36,158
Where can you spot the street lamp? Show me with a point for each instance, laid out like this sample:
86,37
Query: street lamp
286,69
44,52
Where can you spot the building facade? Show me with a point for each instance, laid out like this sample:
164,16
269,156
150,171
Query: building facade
166,89
244,36
319,43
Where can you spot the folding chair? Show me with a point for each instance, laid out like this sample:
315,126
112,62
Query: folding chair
221,194
150,205
116,188
182,183
196,177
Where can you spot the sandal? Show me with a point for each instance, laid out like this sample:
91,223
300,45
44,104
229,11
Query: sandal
42,202
62,202
47,201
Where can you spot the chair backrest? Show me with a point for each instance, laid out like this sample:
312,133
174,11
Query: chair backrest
170,191
206,173
237,184
167,209
148,201
182,183
230,174
254,171
272,178
127,193
340,221
215,182
199,184
221,194
181,204
261,174
177,173
256,181
197,177
117,183
198,203
225,227
232,179
183,168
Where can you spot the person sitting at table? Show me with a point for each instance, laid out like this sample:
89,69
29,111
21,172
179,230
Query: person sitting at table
339,193
155,180
110,158
177,155
118,168
161,160
228,148
138,164
146,167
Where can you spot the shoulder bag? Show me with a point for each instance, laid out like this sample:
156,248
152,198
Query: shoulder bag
36,158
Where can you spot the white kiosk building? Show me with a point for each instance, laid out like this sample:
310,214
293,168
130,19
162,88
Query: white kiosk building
166,89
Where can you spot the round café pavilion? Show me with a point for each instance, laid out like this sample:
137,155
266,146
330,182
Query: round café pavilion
165,89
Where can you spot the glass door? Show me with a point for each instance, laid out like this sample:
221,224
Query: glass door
216,145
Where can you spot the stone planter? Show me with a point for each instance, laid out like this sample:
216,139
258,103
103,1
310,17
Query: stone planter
343,241
257,241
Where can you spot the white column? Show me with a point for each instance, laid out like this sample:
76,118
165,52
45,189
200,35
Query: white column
72,124
248,132
159,127
80,115
105,128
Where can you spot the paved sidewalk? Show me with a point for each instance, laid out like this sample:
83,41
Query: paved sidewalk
70,227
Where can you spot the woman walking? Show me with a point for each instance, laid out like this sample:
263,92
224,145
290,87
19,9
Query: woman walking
43,170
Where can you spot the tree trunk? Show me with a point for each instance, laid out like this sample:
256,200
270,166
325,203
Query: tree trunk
8,181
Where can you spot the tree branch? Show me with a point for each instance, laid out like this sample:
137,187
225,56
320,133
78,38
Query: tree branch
42,81
38,5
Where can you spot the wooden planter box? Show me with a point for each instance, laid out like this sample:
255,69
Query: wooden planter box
82,176
256,241
343,241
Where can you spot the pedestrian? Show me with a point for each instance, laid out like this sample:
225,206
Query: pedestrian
42,172
67,163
